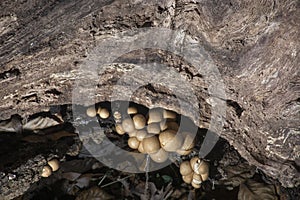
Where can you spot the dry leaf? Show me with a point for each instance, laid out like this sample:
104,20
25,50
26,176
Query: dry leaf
94,193
252,190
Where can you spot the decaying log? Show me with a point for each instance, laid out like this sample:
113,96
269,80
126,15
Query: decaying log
45,45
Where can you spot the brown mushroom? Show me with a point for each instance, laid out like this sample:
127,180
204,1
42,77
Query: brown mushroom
166,124
139,121
132,110
141,148
132,133
119,129
188,178
183,152
54,164
170,141
185,168
155,115
160,156
188,142
141,134
153,128
133,143
197,186
167,114
199,166
127,125
91,111
46,171
151,144
103,113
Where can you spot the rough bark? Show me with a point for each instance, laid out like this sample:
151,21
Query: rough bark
254,45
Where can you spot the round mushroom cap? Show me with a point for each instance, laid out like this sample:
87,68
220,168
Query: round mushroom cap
133,143
185,168
141,148
103,113
46,171
153,128
188,178
91,111
199,166
197,186
204,176
183,152
139,121
54,164
168,114
127,125
131,110
119,129
170,141
188,142
166,124
132,133
160,156
155,115
141,134
151,144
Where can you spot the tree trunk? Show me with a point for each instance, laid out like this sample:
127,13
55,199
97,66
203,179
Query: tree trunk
64,52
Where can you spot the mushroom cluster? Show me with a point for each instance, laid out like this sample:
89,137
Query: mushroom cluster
93,111
52,166
155,134
194,171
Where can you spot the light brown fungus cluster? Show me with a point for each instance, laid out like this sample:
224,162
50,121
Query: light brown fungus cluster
194,172
155,134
